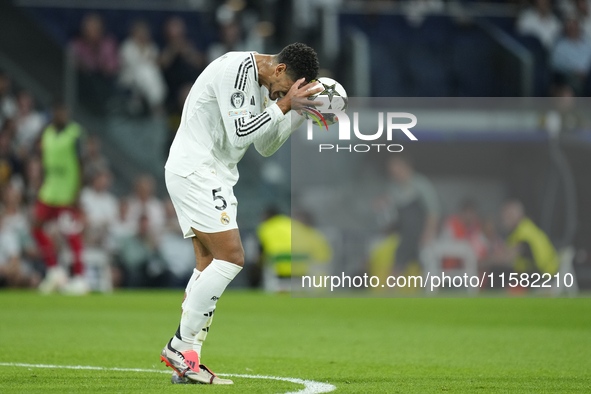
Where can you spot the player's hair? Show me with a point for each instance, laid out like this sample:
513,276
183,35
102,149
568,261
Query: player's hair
301,61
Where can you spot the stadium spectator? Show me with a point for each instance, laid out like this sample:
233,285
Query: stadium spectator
569,8
180,60
465,226
527,248
33,179
174,117
274,235
96,57
10,265
561,88
100,208
494,242
311,251
382,254
16,220
94,160
122,228
95,51
139,260
143,203
29,123
7,101
230,39
10,164
57,200
417,10
571,57
9,127
413,203
539,21
139,67
176,251
290,248
15,244
584,15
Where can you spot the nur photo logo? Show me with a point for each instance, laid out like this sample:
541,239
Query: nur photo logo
392,122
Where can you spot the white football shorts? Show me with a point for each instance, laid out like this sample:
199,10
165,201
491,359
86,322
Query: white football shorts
202,201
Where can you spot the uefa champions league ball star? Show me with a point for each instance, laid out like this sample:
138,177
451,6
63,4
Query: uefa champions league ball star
333,96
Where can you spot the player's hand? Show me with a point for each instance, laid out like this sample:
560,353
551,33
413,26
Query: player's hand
297,97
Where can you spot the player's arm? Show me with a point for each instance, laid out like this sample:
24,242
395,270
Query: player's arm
296,99
233,93
242,129
290,104
269,143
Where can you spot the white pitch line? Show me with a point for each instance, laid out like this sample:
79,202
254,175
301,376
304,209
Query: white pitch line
310,386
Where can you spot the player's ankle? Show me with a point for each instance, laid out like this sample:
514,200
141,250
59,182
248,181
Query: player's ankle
180,345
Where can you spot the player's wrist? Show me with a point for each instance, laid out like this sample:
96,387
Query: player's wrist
284,105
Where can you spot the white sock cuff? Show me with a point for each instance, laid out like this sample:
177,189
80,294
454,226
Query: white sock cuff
192,280
196,273
225,268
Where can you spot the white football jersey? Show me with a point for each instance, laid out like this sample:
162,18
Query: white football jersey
225,111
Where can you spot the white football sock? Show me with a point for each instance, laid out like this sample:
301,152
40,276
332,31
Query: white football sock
177,343
190,284
200,303
198,343
200,338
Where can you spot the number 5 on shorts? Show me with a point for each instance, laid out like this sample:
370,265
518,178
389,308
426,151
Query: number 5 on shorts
218,197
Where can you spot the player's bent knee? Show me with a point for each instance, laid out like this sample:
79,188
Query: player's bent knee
237,258
234,255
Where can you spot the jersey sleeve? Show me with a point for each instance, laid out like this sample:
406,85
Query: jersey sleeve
269,143
243,128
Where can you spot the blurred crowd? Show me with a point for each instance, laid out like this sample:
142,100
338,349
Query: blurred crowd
149,78
564,30
132,240
439,48
418,238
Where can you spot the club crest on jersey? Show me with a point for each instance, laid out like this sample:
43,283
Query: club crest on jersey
237,99
225,218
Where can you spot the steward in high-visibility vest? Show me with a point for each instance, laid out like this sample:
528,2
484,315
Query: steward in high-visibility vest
275,238
539,254
57,200
309,247
61,163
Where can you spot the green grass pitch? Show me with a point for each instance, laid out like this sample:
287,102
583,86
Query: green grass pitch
454,345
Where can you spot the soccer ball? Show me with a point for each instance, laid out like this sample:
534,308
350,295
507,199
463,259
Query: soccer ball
333,96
